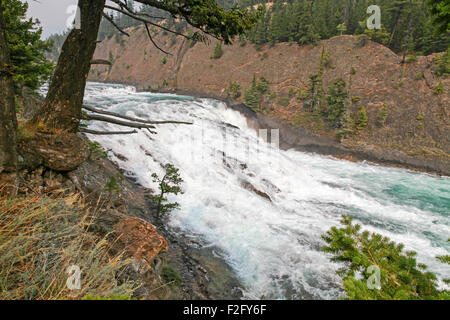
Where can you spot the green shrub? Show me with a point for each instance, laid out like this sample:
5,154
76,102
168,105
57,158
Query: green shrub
353,71
325,60
96,148
234,90
382,116
291,92
171,276
302,94
439,88
420,76
273,95
443,64
284,102
263,85
112,186
218,51
25,133
411,59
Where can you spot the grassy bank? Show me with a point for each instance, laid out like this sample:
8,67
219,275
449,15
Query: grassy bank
41,237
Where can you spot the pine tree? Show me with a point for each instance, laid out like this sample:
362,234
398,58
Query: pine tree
375,268
406,25
441,14
252,96
27,50
168,184
362,121
346,125
218,51
382,116
342,28
336,103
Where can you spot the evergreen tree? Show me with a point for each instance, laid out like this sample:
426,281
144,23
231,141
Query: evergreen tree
336,103
407,25
342,28
30,67
314,93
168,184
375,268
346,125
218,51
362,120
441,14
252,96
382,116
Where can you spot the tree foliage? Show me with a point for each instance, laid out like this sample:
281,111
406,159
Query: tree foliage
362,121
30,67
218,51
363,253
410,24
168,184
441,14
337,103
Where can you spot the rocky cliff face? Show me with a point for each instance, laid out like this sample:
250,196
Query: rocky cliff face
415,131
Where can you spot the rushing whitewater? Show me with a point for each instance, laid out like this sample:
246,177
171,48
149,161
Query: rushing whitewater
230,172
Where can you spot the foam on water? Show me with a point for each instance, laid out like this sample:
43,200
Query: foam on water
273,246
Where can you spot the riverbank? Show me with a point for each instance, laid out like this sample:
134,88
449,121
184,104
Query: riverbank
406,113
198,273
182,269
301,139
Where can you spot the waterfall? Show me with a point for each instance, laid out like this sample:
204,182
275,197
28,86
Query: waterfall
263,209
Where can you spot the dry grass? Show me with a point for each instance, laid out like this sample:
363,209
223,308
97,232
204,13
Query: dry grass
41,237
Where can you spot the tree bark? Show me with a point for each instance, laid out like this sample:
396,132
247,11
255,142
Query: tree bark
8,120
62,106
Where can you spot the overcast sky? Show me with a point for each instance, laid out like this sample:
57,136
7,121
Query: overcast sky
52,14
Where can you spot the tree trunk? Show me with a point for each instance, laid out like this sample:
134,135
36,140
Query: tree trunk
8,120
62,106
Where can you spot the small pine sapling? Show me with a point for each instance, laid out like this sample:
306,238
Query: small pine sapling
169,184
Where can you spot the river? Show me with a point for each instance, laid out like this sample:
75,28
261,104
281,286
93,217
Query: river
263,210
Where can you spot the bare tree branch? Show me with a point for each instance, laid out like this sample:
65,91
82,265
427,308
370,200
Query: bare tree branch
114,114
148,124
124,6
154,43
106,132
116,121
146,21
101,61
111,20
